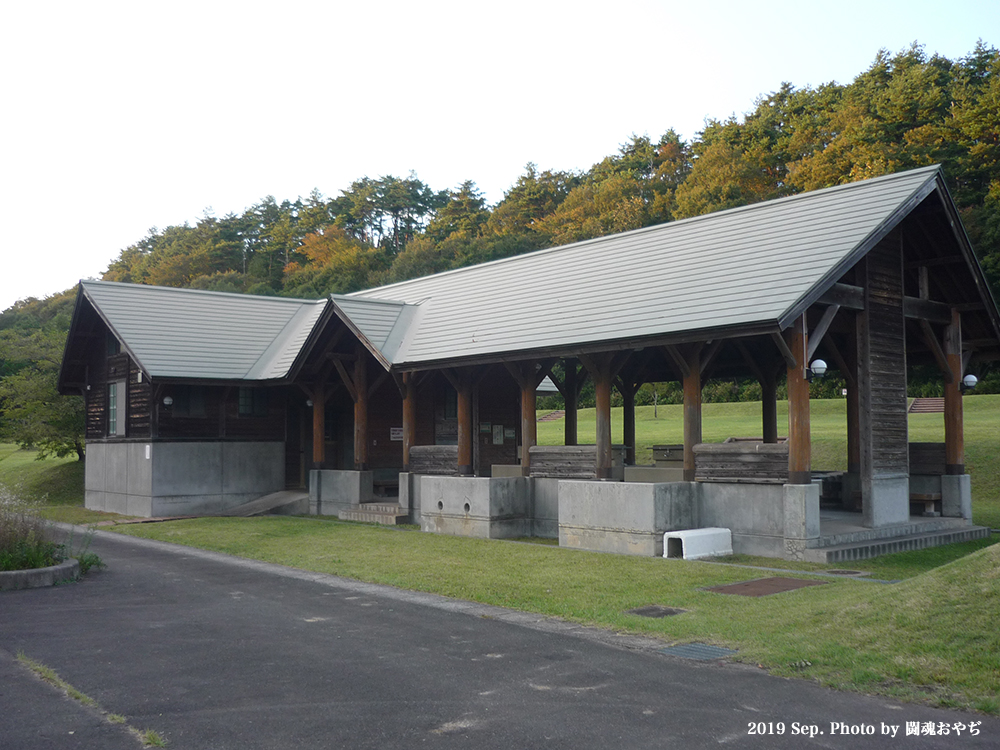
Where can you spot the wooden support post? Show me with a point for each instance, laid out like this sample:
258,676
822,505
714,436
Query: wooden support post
319,426
628,423
571,396
529,424
602,387
769,407
799,446
954,437
603,369
361,410
692,407
465,435
409,416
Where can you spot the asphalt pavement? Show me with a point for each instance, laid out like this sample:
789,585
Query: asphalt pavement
217,652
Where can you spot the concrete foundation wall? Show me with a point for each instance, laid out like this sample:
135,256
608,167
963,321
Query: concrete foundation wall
925,484
409,496
331,491
484,507
654,474
626,518
956,496
886,500
166,479
545,507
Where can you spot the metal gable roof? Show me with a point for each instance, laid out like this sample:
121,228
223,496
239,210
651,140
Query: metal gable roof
741,267
188,333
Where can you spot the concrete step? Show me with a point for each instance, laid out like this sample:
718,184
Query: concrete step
927,406
866,549
833,538
387,514
267,503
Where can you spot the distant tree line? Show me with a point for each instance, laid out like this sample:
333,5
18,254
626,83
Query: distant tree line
907,110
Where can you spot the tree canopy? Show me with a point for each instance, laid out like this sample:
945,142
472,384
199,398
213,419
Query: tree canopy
906,110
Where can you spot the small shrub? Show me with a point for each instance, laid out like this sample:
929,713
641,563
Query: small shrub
24,538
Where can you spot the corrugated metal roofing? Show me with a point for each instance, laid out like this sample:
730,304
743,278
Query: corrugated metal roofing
744,266
213,335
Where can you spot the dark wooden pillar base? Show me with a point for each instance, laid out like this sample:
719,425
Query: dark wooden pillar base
799,445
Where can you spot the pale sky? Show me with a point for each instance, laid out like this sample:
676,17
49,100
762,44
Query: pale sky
121,116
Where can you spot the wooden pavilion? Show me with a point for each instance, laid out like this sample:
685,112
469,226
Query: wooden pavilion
431,383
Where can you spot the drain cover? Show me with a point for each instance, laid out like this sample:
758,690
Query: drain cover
847,572
655,610
701,651
764,586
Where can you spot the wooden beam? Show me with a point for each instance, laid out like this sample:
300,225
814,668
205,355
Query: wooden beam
845,295
816,337
346,380
935,346
529,425
692,409
841,363
571,397
954,435
786,353
409,393
378,383
708,356
319,426
514,368
748,358
925,309
678,360
926,262
465,426
799,446
360,411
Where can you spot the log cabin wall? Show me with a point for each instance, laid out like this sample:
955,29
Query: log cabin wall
139,402
884,409
385,413
499,401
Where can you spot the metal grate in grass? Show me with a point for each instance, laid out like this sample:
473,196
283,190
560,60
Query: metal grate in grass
655,610
764,586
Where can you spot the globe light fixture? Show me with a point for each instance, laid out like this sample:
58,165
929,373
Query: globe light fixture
816,370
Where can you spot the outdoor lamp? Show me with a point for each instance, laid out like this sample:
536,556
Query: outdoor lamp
168,400
816,370
969,382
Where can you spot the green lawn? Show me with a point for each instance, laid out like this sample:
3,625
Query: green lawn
932,636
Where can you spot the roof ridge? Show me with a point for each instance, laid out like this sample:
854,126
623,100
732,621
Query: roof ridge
209,292
274,350
936,168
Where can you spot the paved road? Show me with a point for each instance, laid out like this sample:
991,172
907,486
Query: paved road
215,652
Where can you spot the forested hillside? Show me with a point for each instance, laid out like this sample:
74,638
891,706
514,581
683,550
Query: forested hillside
906,110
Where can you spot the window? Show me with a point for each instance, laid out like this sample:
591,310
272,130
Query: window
116,417
114,346
112,409
450,404
253,402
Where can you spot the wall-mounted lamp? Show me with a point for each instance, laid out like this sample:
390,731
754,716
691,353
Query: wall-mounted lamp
816,370
309,402
968,382
168,400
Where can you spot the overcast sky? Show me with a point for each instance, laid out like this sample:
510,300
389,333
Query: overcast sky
122,116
